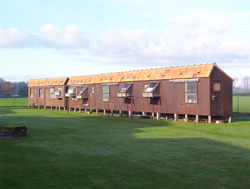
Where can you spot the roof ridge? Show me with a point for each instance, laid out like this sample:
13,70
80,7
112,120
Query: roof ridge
147,69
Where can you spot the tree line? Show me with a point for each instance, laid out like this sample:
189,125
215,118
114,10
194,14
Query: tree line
13,89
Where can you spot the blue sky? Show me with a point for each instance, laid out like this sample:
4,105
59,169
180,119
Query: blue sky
76,37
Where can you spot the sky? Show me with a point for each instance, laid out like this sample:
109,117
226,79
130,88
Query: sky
57,38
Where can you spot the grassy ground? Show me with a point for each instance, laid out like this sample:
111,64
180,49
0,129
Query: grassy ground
8,102
72,150
244,104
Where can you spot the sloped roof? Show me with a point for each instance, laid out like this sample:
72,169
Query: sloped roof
36,82
48,82
182,72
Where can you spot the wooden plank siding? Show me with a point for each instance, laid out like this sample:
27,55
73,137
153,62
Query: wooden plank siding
171,98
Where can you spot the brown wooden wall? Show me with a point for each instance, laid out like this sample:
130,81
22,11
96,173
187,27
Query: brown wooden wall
55,102
221,103
36,100
172,98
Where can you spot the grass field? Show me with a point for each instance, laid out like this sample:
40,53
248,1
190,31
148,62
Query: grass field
244,103
73,150
9,102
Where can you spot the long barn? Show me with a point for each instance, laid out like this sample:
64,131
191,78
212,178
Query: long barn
197,92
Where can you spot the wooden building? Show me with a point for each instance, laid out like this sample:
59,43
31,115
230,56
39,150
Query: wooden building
187,92
48,93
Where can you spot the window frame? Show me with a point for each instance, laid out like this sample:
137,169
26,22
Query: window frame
31,93
40,93
186,92
92,90
216,82
52,93
106,93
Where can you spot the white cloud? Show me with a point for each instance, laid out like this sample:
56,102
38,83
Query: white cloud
54,37
13,38
193,41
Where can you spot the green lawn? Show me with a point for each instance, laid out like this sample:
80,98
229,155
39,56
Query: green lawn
73,150
13,102
244,104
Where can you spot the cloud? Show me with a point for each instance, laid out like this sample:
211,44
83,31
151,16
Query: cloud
14,38
53,37
192,41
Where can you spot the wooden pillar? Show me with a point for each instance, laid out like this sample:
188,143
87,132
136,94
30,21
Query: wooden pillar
112,112
96,111
143,113
230,119
209,119
129,113
153,115
104,112
120,112
197,118
158,116
186,118
176,117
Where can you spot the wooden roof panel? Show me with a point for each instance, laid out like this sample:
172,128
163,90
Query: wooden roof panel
194,71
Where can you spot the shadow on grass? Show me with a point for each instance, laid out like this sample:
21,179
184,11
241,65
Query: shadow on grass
101,152
239,117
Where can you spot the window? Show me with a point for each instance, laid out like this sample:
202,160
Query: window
125,88
72,92
150,87
105,93
217,86
85,101
58,93
83,93
125,91
92,90
52,93
191,92
31,93
152,90
40,93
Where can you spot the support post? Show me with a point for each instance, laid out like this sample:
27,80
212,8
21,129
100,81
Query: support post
112,112
166,117
209,119
96,111
129,113
120,112
230,119
157,116
197,118
85,111
104,112
45,107
175,117
186,118
79,110
51,107
143,113
64,108
153,115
